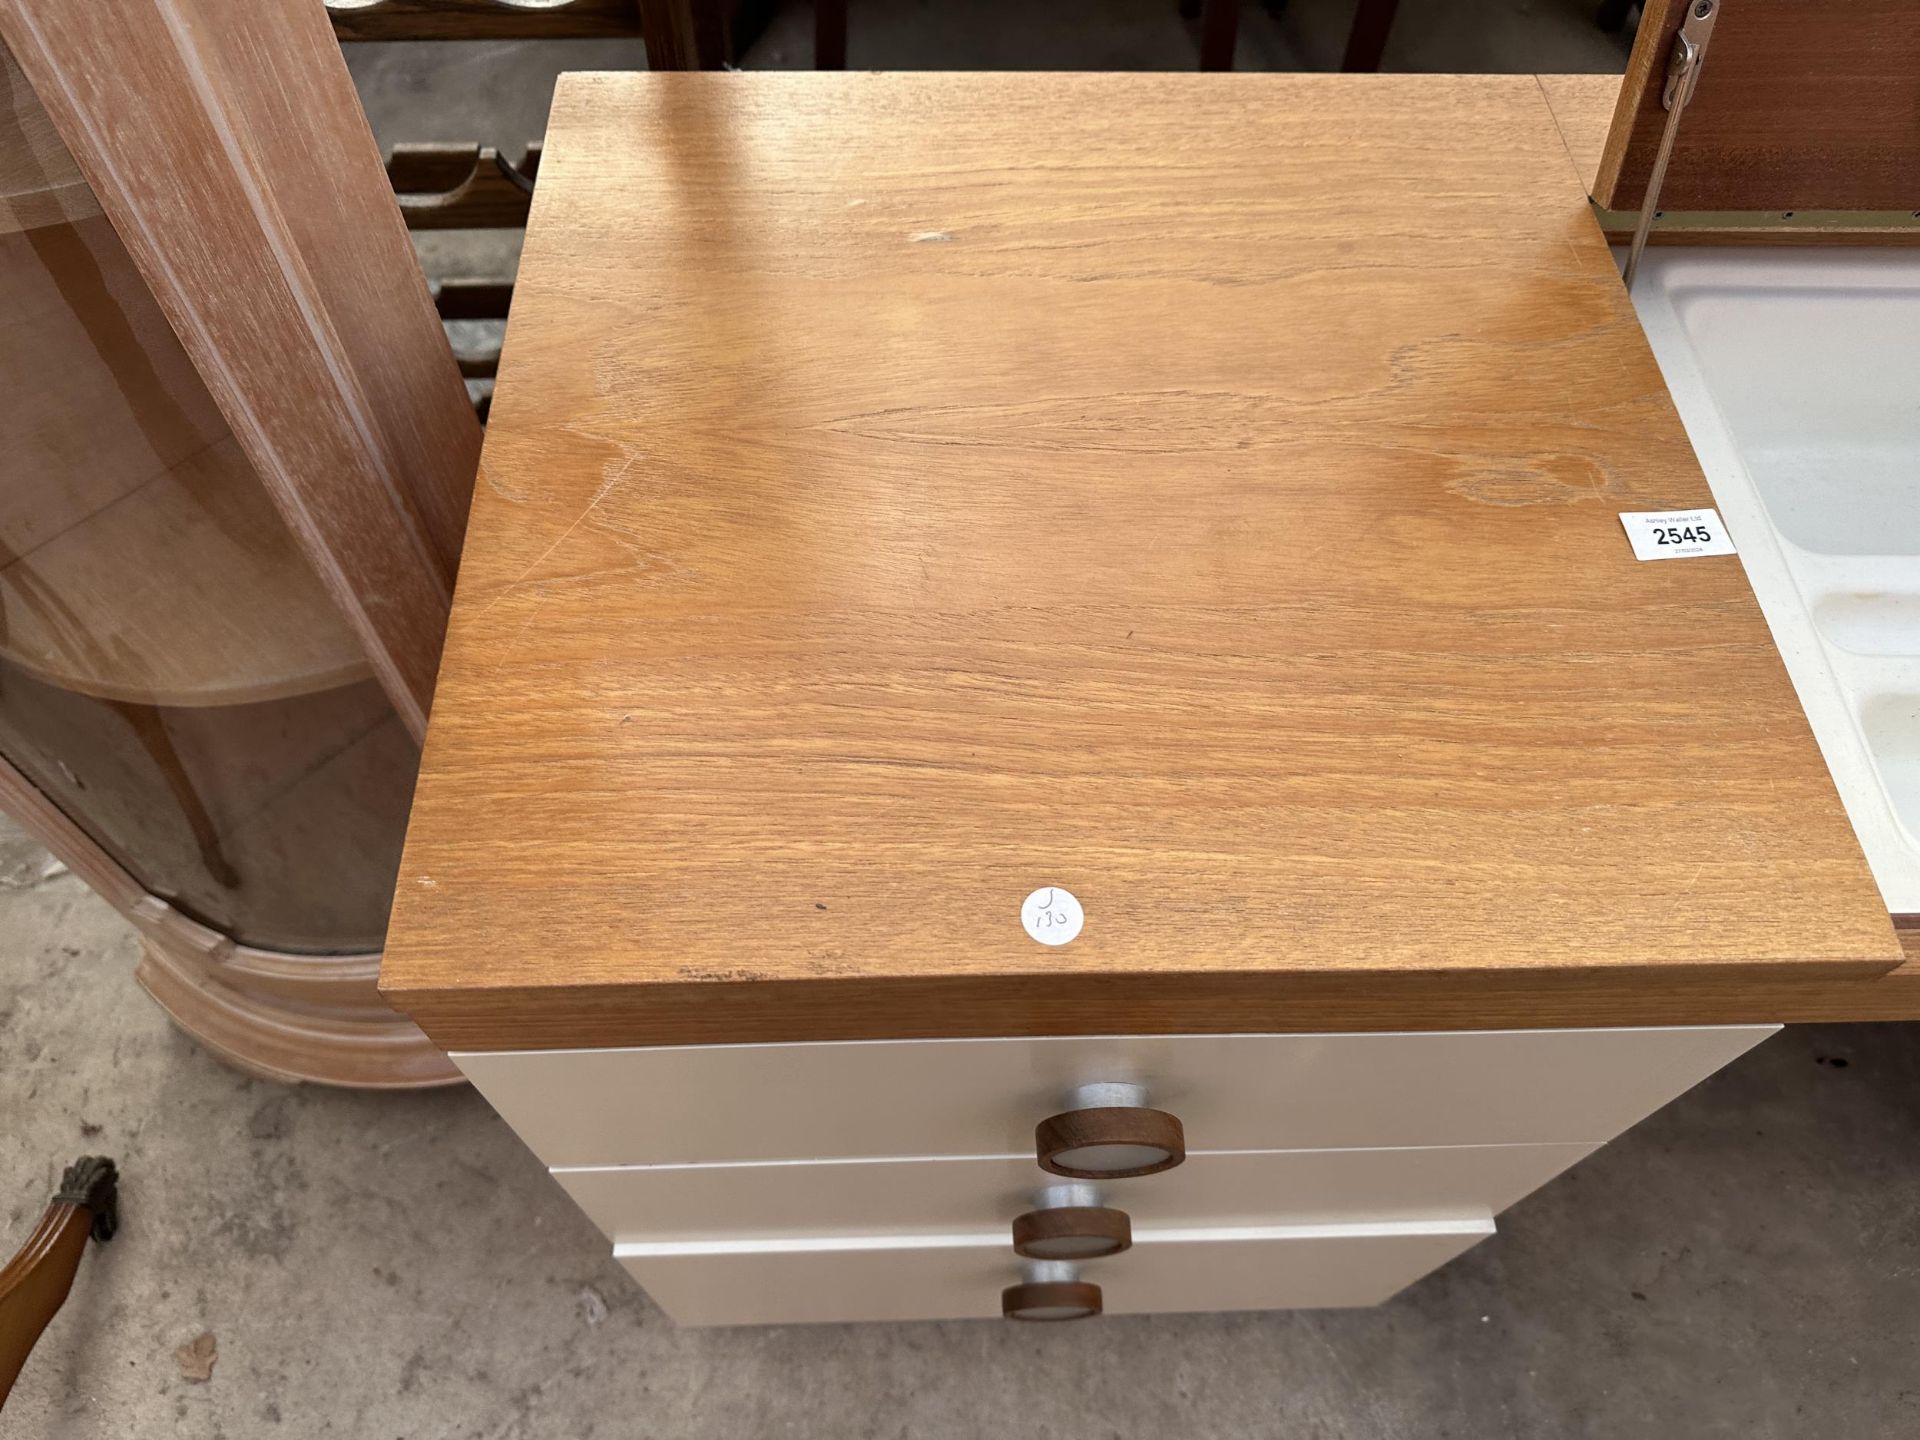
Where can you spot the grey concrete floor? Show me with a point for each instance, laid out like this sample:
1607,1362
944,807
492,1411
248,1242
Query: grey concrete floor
1746,1263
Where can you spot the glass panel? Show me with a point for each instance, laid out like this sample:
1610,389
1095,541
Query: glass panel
172,675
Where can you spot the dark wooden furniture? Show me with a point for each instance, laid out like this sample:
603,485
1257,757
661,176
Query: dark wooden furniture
1219,28
466,187
1220,24
1802,105
34,1284
474,186
679,34
1367,39
1611,15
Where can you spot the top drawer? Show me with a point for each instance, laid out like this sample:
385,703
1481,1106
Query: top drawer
694,1104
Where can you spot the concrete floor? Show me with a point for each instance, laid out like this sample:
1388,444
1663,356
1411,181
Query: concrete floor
1746,1263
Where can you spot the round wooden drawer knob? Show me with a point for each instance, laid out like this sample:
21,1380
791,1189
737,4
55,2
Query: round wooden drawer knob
1051,1292
1072,1232
1108,1141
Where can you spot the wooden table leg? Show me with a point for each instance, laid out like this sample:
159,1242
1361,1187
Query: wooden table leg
35,1282
150,728
1612,15
829,34
1367,40
1219,30
684,34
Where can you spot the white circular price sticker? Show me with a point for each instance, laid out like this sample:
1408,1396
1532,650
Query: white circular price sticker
1052,916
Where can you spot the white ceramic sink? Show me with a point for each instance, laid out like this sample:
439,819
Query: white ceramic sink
1797,374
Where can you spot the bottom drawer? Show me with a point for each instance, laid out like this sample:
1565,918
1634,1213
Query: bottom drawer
943,1277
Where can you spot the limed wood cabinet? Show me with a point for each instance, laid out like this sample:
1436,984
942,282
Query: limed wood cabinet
232,492
908,496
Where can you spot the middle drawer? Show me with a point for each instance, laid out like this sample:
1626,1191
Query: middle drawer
965,1193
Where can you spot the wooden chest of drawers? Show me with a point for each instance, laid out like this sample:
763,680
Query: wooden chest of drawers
910,495
879,1180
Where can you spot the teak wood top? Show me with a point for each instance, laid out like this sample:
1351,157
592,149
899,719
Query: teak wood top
906,491
1582,107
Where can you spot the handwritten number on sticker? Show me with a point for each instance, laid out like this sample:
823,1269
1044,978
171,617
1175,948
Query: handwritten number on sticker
1051,915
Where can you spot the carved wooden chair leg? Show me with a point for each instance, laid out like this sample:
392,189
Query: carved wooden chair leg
35,1282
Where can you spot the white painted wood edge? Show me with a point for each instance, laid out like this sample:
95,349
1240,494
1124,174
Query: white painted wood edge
562,1172
1759,1031
1476,1226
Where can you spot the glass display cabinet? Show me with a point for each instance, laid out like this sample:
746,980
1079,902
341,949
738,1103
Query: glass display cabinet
236,454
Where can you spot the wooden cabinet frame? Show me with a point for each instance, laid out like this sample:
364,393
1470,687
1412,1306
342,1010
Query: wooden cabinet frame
227,147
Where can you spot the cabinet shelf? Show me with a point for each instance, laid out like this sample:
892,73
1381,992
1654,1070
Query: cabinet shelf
141,560
39,183
187,590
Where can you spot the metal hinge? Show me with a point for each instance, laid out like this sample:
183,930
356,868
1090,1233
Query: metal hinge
1683,78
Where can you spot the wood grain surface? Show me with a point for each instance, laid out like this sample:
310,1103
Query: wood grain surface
1802,105
39,183
1200,493
1582,107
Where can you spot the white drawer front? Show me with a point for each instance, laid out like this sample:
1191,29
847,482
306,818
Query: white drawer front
682,1104
966,1193
929,1277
